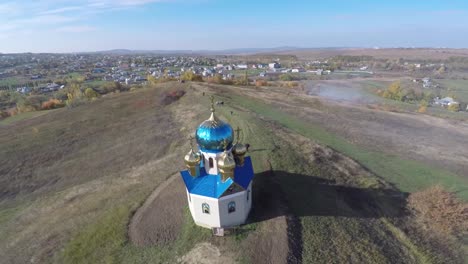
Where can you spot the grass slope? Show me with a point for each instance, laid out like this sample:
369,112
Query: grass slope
70,186
407,175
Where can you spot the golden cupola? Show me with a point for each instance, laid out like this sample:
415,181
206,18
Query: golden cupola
226,164
192,161
239,150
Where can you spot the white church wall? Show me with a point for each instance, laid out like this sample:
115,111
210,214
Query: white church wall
234,218
249,200
189,200
200,218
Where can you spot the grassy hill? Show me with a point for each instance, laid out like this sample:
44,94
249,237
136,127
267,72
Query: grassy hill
72,178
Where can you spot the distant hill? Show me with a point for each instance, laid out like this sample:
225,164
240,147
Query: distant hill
239,51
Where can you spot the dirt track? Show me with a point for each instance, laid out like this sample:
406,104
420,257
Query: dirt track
156,223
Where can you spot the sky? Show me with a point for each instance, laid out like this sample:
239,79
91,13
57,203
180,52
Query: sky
94,25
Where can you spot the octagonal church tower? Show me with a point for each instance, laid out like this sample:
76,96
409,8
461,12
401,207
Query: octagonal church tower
219,177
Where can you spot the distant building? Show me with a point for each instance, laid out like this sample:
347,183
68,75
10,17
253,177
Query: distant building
427,82
51,87
24,90
447,101
274,65
298,70
241,66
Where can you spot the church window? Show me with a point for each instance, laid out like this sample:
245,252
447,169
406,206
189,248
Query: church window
206,208
231,207
211,162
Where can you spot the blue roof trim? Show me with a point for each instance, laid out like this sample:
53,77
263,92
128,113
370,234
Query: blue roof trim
244,175
212,186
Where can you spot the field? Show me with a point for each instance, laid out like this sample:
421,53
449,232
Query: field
387,53
8,81
459,88
328,187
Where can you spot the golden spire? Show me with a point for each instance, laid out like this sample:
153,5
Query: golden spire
225,144
226,163
191,138
212,103
238,130
212,109
239,149
192,160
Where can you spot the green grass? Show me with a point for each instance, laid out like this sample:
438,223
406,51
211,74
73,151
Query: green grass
407,175
107,234
325,238
95,84
8,81
459,88
22,116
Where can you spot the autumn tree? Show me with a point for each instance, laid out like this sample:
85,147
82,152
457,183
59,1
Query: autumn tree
454,107
190,76
90,94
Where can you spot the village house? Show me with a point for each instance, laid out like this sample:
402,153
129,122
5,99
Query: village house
274,65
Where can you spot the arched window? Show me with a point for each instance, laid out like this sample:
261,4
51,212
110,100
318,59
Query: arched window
210,160
231,207
205,208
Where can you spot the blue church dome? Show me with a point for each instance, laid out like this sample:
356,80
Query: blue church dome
212,133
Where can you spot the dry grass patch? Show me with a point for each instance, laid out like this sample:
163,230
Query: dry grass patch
440,210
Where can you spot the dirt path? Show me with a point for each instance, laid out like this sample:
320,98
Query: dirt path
206,253
158,221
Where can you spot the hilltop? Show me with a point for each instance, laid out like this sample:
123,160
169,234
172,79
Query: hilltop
328,185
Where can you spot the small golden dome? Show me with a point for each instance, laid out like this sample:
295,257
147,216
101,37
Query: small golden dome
226,161
192,158
239,149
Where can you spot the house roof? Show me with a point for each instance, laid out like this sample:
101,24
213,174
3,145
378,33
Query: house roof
212,185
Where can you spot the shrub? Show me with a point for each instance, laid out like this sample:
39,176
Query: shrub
52,104
4,114
286,77
190,76
110,87
454,107
293,84
259,83
30,103
439,210
422,109
91,94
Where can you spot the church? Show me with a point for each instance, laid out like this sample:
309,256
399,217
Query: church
218,179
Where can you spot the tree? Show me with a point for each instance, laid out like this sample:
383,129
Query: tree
190,76
151,79
454,107
91,94
423,106
441,70
286,77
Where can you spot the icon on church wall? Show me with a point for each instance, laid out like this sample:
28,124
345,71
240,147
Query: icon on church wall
232,207
206,208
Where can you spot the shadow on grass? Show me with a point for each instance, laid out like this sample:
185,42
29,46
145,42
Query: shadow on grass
280,193
277,193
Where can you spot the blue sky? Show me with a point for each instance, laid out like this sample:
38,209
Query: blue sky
90,25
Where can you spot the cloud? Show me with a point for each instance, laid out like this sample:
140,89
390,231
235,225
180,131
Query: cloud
62,10
76,29
120,3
